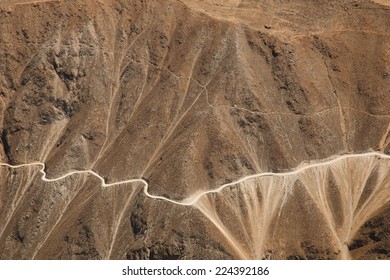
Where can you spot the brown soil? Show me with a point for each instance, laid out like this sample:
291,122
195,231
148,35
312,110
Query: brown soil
190,95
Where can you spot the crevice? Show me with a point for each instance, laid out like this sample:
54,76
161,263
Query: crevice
6,146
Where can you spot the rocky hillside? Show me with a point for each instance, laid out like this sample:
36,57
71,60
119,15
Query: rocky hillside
191,95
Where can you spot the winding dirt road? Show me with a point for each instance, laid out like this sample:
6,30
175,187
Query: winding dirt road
193,199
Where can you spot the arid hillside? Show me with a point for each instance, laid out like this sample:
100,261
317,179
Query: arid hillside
194,129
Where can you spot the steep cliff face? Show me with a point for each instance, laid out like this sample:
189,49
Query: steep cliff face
191,95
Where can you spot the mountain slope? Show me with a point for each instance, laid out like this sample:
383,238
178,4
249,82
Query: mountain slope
190,95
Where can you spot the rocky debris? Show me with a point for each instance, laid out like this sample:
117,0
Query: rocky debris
81,246
372,239
313,252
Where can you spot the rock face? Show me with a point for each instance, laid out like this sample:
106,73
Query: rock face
189,96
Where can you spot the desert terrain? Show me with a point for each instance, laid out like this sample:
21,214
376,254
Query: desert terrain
190,129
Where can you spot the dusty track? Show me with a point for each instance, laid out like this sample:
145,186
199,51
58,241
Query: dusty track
194,101
193,199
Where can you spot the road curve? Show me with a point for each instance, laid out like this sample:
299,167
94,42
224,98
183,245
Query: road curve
191,200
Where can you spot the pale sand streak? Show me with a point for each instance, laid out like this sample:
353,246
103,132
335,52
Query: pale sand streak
193,199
